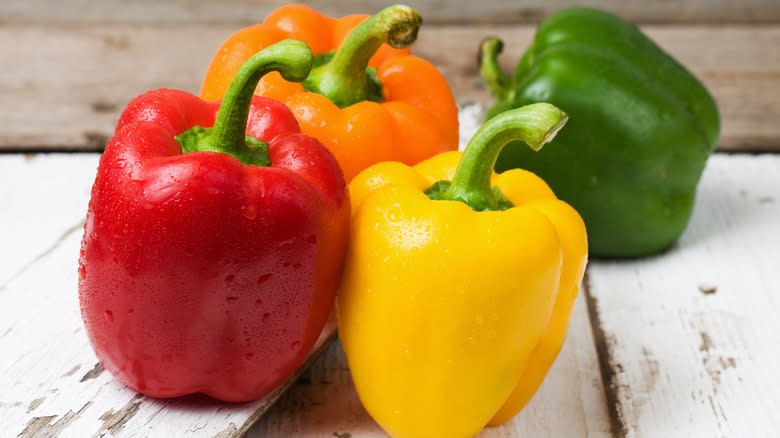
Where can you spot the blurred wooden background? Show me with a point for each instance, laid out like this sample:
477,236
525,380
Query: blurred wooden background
69,67
466,12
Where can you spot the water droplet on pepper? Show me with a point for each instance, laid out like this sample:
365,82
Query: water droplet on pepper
263,278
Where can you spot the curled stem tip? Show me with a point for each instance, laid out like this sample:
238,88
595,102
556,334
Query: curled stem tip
535,124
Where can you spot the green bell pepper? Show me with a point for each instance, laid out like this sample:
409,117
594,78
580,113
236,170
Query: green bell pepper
641,128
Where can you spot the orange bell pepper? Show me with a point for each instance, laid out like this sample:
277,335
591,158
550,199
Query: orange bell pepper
368,102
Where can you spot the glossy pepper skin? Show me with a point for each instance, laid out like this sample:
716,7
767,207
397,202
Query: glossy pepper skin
200,273
370,103
455,300
642,128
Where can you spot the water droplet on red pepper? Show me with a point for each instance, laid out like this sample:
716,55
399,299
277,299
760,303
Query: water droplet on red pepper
263,278
249,212
109,316
231,299
295,345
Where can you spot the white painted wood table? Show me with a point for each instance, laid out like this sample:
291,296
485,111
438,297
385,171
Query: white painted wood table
681,344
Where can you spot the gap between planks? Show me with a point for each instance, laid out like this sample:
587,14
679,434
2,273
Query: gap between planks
687,339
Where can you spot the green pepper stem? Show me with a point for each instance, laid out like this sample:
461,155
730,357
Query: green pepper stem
535,124
344,79
492,74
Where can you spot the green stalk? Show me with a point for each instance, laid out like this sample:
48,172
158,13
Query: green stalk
346,78
492,74
535,124
293,59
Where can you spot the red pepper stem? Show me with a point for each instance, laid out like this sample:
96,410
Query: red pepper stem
344,79
291,58
535,124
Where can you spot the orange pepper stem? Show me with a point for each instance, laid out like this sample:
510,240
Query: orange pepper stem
291,58
344,79
535,124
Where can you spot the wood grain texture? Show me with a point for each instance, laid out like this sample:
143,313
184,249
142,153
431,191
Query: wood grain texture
434,11
689,337
64,86
692,334
51,384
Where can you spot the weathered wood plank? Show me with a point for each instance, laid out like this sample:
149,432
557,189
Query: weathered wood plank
63,86
570,402
453,11
30,230
691,335
51,384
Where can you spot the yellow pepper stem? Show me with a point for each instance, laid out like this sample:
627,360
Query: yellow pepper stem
535,124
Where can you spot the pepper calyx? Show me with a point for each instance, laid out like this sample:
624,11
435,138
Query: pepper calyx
196,138
346,79
437,190
535,124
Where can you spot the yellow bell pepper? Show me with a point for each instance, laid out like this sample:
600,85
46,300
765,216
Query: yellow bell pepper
456,296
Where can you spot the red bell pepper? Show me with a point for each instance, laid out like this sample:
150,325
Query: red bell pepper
211,255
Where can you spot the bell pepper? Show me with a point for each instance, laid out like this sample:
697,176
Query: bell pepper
214,240
459,283
642,127
365,101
